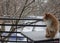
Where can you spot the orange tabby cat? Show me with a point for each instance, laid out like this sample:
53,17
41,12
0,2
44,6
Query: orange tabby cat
52,25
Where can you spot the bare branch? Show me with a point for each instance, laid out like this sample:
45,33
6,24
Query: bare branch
12,28
30,3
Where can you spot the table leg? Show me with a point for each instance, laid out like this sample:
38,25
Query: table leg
32,41
27,40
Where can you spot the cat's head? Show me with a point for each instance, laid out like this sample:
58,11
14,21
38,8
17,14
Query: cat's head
46,16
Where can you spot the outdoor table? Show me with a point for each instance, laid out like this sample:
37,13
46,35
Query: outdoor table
39,37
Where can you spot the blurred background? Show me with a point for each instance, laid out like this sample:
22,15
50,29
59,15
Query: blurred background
23,9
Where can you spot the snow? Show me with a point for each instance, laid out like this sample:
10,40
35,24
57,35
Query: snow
26,29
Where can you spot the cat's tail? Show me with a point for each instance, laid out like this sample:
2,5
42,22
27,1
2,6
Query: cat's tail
59,27
59,30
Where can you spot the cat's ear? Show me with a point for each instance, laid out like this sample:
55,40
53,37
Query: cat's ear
46,14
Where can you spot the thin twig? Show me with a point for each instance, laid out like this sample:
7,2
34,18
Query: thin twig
12,28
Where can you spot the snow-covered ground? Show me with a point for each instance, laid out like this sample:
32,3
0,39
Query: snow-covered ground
26,29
